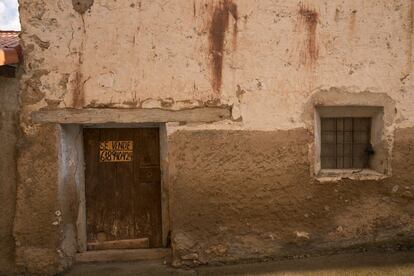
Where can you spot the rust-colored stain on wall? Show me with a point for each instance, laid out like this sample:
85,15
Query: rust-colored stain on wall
309,18
218,28
78,93
352,23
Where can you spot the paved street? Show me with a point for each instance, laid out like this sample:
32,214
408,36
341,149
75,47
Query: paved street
350,264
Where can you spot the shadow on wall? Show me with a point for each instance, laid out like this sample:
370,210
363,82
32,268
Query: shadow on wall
9,89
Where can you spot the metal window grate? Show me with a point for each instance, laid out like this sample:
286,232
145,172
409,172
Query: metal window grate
345,143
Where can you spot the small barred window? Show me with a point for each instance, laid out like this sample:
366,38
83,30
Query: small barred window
345,143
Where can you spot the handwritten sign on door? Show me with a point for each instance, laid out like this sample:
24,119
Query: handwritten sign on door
116,151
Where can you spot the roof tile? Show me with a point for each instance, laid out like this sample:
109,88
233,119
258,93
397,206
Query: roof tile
9,39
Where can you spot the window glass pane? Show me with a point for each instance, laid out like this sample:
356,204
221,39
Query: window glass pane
340,124
328,150
347,162
339,150
348,149
361,137
328,137
328,163
340,163
340,137
348,124
348,137
328,124
359,163
359,150
362,124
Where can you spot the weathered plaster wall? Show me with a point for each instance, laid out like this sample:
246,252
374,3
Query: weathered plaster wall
51,48
264,57
37,236
9,90
268,60
255,199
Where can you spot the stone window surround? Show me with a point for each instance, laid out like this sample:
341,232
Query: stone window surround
348,96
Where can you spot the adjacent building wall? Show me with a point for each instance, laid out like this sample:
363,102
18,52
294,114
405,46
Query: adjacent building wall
242,188
9,90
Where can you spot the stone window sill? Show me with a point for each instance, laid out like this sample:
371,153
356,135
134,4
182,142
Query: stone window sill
334,175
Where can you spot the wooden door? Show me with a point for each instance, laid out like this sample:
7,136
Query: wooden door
123,187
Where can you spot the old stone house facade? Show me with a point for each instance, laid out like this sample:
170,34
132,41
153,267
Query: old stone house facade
244,129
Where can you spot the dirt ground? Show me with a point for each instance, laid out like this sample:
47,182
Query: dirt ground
401,263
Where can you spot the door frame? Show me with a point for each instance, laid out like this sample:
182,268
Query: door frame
81,223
